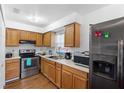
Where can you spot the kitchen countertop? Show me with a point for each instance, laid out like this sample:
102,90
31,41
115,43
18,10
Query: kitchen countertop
16,57
68,63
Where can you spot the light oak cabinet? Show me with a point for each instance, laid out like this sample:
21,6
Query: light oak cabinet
67,80
39,41
79,82
58,75
49,70
12,37
49,39
32,36
46,69
72,35
76,79
42,65
12,69
64,76
24,35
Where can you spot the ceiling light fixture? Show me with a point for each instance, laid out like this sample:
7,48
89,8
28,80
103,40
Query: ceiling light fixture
36,19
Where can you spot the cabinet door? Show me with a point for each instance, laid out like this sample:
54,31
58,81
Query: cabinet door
12,37
46,69
51,72
42,65
32,36
47,39
58,77
12,69
79,82
77,35
69,35
39,40
24,35
66,80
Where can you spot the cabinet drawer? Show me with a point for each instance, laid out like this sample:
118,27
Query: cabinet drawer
12,64
43,59
12,74
12,60
58,65
75,71
48,61
51,62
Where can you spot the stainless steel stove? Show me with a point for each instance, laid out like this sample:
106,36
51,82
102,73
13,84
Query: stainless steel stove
29,62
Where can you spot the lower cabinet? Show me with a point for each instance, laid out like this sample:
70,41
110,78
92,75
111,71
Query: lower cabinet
73,78
58,77
42,65
79,82
46,69
12,69
49,70
67,80
64,76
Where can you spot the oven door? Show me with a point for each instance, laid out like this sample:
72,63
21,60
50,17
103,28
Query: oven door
29,63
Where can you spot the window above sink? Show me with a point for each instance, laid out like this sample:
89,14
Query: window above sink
59,39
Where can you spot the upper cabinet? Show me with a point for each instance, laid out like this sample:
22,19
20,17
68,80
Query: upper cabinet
72,35
39,39
12,37
26,35
49,39
32,36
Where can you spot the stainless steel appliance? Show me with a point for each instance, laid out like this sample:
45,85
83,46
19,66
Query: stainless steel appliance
27,42
8,55
29,62
81,59
107,55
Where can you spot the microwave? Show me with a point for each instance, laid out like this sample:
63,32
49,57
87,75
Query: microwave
81,60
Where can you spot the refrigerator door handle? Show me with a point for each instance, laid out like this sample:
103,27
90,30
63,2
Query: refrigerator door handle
120,63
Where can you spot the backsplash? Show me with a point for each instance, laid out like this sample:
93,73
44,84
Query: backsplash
65,49
15,50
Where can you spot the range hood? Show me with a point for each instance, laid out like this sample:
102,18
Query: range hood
27,42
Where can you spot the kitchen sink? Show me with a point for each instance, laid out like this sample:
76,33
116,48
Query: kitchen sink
56,57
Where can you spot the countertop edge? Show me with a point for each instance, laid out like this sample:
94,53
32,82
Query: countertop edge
12,58
73,66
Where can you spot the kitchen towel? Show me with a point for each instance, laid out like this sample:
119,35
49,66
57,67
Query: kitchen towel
28,63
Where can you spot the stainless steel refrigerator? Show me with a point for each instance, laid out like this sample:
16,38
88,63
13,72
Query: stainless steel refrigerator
107,55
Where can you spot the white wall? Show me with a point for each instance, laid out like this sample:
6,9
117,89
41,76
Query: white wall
74,17
2,51
22,26
103,14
